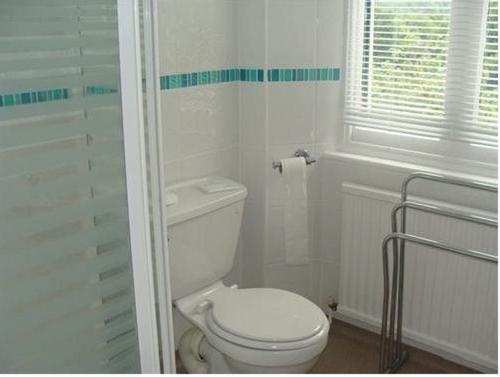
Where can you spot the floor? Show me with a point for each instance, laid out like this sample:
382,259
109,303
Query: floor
354,350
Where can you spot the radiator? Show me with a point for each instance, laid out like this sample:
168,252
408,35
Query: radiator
450,303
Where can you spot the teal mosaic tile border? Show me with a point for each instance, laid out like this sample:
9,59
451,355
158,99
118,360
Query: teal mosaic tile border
303,74
186,80
99,90
50,95
26,98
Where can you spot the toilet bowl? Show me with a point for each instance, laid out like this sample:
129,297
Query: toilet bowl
259,330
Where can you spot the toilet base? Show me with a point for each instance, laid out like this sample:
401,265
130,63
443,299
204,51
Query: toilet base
239,367
215,362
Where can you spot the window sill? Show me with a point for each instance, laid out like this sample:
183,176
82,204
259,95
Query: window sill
490,175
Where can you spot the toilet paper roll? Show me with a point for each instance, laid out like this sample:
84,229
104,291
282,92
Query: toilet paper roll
295,211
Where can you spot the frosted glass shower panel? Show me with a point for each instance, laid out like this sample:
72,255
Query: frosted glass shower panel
66,289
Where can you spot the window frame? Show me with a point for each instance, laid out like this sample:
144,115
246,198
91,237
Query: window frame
440,153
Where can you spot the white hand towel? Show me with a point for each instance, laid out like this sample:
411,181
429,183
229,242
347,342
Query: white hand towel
296,222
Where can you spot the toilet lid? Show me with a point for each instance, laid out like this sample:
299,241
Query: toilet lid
268,315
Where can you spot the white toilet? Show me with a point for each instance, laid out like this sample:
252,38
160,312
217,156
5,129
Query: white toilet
259,330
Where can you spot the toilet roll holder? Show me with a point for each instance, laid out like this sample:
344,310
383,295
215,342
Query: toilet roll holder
298,153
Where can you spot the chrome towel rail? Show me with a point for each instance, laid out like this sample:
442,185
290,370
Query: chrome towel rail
392,358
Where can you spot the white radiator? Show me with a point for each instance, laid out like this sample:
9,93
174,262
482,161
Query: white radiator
450,302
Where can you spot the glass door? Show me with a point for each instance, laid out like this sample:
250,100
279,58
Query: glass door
67,300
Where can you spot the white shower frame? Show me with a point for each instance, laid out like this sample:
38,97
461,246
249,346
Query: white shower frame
138,197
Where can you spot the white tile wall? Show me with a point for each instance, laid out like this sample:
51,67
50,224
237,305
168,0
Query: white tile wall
278,118
253,115
292,113
331,40
292,33
252,39
251,32
237,130
200,124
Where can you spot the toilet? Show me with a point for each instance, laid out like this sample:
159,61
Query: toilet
257,330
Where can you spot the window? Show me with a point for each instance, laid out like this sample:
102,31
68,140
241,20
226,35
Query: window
423,75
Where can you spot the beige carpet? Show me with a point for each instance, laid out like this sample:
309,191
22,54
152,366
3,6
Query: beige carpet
354,350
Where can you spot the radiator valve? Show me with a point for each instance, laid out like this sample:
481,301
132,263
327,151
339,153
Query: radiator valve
332,307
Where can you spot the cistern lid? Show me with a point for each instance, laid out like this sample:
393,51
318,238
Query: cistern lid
200,196
267,315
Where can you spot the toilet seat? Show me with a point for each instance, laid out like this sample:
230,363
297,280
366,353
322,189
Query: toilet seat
264,318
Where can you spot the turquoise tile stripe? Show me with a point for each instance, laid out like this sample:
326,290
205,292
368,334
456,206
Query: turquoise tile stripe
303,74
49,95
99,90
30,97
186,80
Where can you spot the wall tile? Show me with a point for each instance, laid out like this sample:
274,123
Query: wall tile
253,172
227,163
230,129
331,33
292,278
315,294
226,115
291,113
253,232
230,30
198,108
292,33
253,115
202,37
198,166
234,276
252,33
171,125
172,172
303,280
168,35
330,275
329,97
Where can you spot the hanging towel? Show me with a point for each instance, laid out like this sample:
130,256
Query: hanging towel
296,222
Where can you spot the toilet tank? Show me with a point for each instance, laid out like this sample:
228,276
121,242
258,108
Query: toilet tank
203,227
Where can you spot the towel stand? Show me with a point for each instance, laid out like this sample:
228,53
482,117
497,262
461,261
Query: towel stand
392,355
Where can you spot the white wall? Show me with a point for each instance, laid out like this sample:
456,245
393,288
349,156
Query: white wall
278,118
238,129
200,124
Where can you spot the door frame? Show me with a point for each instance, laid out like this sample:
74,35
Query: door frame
139,201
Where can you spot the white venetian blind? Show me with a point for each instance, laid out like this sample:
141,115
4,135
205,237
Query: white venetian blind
66,290
488,100
424,68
